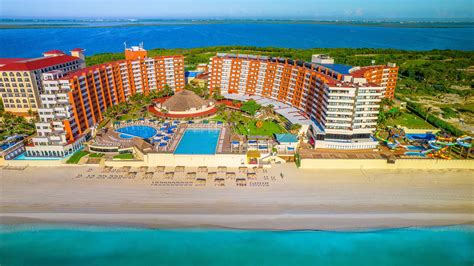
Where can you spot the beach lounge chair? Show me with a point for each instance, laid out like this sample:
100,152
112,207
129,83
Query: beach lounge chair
160,169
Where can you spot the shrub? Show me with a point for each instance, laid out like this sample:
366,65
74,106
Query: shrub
417,109
251,107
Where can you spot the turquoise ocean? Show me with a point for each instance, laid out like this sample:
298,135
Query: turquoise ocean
93,245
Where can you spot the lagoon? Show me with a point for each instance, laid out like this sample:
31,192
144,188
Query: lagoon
24,42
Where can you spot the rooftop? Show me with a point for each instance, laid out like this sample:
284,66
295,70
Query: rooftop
192,74
54,52
184,101
340,68
37,63
4,61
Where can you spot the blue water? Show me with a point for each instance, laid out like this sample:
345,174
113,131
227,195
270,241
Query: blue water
198,141
143,132
414,148
427,136
23,157
412,153
83,245
32,42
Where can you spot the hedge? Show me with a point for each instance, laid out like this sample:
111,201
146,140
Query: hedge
435,121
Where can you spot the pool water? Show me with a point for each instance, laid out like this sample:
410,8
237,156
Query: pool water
198,141
411,153
414,148
144,132
23,157
427,136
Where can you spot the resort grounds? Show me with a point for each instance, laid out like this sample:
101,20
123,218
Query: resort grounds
281,197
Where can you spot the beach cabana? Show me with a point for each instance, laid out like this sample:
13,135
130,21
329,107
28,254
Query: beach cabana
191,175
230,174
179,169
243,169
148,175
202,169
211,174
221,169
132,175
251,176
200,181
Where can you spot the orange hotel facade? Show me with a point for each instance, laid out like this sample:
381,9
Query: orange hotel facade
342,106
74,103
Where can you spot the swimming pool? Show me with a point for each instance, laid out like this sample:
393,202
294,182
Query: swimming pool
143,132
41,158
427,136
198,141
412,153
23,157
414,148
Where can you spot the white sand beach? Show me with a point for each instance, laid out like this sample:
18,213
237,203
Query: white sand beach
302,199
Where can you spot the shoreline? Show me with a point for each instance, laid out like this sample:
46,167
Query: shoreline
317,222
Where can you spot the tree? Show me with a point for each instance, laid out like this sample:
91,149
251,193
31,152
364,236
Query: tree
428,110
251,107
167,91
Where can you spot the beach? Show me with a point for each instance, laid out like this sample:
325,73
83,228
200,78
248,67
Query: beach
282,198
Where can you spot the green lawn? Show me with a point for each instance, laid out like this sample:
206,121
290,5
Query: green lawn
96,155
74,159
410,121
124,156
269,128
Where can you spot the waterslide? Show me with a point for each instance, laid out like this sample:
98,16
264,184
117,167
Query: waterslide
391,145
461,141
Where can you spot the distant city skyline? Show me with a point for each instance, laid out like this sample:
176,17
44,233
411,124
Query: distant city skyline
241,9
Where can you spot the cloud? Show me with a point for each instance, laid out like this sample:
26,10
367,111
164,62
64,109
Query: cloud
354,12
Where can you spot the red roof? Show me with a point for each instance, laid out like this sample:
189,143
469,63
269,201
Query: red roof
77,50
4,61
38,63
54,52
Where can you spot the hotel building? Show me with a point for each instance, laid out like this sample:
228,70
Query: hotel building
342,108
74,103
384,75
21,82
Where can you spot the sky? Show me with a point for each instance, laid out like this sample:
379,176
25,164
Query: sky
252,9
